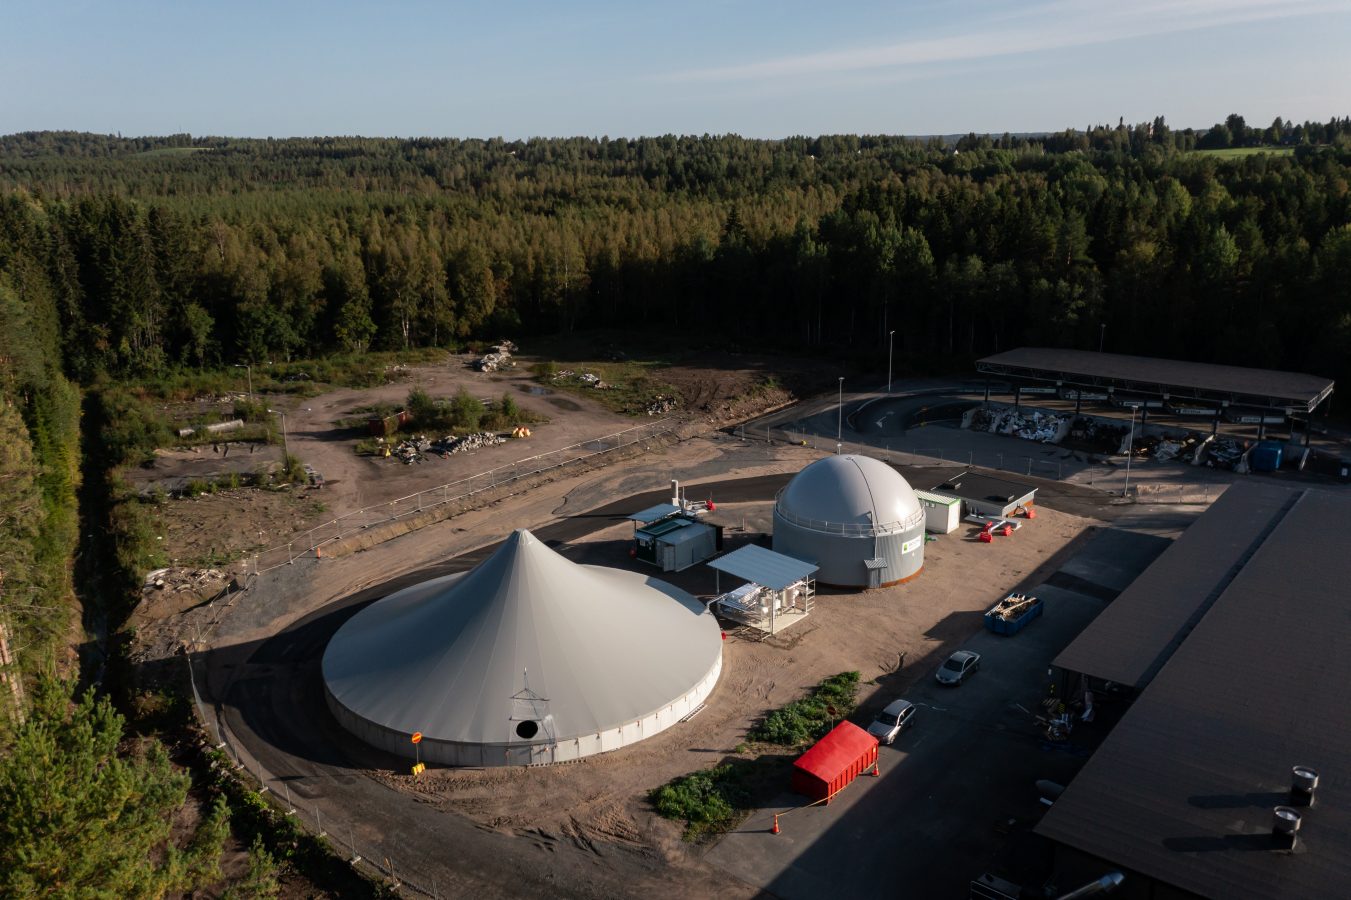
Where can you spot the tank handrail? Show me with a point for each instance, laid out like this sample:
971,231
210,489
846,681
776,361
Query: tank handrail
862,529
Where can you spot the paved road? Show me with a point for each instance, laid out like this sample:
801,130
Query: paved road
271,703
933,820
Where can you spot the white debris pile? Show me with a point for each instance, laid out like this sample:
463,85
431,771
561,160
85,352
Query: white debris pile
466,443
661,405
1030,426
413,449
499,358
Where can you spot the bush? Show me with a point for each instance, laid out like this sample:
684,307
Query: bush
807,719
706,801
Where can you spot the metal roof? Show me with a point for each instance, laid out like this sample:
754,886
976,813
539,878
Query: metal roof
1182,789
970,486
690,532
1204,381
931,497
764,567
878,563
1135,635
653,513
599,647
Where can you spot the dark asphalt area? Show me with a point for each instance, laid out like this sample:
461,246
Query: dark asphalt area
269,696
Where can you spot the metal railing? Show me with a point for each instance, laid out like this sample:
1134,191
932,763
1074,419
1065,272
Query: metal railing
374,862
919,456
509,475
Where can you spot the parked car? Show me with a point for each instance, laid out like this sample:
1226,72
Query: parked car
890,722
959,667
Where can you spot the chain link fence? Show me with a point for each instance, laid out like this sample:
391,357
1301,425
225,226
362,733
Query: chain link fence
502,480
919,456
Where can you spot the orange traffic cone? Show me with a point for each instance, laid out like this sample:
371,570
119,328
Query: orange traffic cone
775,829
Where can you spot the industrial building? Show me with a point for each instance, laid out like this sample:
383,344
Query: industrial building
526,659
671,537
856,518
983,495
942,514
1189,388
1234,646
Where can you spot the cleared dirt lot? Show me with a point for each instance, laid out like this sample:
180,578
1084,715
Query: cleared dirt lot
603,799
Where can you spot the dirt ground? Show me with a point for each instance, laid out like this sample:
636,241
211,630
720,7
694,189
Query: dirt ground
603,798
213,528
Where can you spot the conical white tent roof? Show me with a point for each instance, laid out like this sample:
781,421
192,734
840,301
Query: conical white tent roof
469,660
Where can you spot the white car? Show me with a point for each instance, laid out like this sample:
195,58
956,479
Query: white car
890,722
959,667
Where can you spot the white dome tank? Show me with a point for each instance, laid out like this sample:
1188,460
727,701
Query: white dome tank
854,516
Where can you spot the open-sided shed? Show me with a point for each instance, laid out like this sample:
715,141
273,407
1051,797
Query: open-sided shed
834,761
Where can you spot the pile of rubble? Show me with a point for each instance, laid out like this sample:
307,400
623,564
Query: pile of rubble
1096,436
412,450
499,358
466,443
662,405
1225,453
590,378
1045,428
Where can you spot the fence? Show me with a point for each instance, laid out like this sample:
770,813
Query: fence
506,476
340,835
919,456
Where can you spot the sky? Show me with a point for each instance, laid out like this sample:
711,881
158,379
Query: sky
521,68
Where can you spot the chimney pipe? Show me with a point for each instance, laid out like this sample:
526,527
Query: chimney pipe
1303,783
1285,827
675,492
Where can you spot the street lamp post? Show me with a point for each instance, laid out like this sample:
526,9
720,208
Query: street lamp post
839,424
1102,337
248,367
891,344
1130,446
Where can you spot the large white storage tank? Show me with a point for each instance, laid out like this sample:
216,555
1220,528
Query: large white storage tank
854,516
526,659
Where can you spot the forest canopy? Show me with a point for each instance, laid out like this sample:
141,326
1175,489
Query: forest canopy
155,253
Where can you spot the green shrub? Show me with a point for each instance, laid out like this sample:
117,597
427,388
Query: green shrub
808,718
706,801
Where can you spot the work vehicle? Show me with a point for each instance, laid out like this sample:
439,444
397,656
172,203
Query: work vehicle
890,722
959,666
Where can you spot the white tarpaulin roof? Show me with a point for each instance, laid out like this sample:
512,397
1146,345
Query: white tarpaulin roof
526,634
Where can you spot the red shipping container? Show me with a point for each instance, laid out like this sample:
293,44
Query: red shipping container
834,761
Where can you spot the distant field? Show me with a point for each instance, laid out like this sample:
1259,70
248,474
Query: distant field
1237,152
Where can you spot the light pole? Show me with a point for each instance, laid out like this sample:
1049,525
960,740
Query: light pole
839,424
1102,337
248,367
891,344
1130,446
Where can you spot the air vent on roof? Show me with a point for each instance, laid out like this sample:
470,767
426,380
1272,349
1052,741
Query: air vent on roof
1285,827
1304,781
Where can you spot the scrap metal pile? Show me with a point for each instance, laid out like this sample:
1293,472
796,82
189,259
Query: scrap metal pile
1096,436
1012,606
1046,428
1225,453
661,405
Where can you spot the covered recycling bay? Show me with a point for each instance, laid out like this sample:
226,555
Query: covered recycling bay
527,659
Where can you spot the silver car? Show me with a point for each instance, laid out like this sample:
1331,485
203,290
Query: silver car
890,722
959,667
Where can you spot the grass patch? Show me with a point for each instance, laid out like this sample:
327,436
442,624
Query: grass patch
1241,152
807,719
625,386
715,800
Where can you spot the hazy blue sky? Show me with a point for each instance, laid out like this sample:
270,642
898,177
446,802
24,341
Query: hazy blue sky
520,68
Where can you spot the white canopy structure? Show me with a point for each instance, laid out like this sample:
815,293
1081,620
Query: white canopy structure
527,659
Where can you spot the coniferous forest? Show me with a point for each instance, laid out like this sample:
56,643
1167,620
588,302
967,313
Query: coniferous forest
137,255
